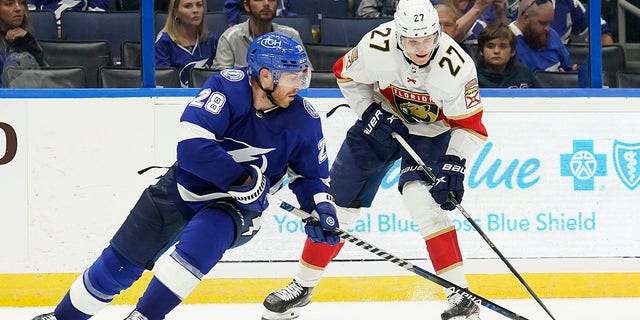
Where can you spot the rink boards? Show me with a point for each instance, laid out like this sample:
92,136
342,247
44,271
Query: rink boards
555,188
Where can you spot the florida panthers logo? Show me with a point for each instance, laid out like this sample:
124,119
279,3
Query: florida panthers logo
412,106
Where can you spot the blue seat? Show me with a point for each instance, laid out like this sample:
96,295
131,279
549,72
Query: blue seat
113,26
43,24
216,21
215,5
317,10
347,31
300,23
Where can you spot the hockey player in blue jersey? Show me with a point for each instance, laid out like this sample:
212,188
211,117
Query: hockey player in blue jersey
239,138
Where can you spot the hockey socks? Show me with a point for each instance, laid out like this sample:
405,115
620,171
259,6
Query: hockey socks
98,285
157,301
319,255
315,258
445,255
444,250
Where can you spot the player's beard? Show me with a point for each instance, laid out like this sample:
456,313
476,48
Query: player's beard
281,96
536,42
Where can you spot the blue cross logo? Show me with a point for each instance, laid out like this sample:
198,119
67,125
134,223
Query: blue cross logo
583,165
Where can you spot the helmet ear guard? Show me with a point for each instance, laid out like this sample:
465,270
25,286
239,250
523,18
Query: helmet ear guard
279,54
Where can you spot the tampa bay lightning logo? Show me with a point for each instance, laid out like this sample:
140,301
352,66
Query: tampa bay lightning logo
232,74
243,152
626,160
310,109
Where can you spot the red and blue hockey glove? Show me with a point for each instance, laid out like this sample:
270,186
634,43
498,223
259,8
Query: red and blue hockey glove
322,230
380,124
449,172
252,196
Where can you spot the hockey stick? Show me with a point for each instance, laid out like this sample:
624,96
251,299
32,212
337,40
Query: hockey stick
464,212
450,287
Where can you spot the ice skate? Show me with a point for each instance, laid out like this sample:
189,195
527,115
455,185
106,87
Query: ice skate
46,316
135,315
285,304
461,308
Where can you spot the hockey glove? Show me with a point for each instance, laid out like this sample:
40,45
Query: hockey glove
449,172
253,195
322,230
380,124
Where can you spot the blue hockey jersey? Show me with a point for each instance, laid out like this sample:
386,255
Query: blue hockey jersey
549,58
571,17
57,6
171,54
221,126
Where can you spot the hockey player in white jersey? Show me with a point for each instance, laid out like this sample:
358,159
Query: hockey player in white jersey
408,77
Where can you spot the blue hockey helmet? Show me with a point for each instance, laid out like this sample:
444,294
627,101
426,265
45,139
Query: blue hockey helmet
280,54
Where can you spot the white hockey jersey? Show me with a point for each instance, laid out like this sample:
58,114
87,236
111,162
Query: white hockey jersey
430,99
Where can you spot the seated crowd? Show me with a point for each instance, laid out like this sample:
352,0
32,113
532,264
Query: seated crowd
510,40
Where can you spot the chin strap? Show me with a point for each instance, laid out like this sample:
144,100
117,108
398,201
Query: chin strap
268,92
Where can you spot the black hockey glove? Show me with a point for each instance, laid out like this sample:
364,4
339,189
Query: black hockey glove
253,196
449,172
322,230
380,124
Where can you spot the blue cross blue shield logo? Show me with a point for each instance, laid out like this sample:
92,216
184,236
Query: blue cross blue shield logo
626,160
583,165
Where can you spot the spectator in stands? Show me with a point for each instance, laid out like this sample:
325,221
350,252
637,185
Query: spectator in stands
474,16
57,6
235,41
376,8
539,46
498,66
571,18
185,42
448,17
233,9
18,47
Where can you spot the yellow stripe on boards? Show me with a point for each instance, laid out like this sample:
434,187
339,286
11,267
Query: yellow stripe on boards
21,290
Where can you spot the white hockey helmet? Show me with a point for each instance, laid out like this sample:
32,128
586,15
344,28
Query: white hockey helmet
416,18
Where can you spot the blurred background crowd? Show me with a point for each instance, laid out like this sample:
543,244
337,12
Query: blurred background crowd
96,43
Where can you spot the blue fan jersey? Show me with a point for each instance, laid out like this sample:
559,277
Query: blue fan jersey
571,18
57,6
171,54
221,126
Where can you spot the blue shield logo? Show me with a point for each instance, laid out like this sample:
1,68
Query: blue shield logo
626,159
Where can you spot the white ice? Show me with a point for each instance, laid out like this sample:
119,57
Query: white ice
561,309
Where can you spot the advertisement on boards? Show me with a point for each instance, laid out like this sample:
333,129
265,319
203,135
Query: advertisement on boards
544,185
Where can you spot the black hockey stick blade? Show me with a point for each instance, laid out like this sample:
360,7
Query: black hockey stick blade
449,287
467,216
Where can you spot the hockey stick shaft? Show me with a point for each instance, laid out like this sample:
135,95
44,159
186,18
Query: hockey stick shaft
450,287
464,212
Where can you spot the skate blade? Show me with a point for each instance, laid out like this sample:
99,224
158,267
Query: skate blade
474,316
293,313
